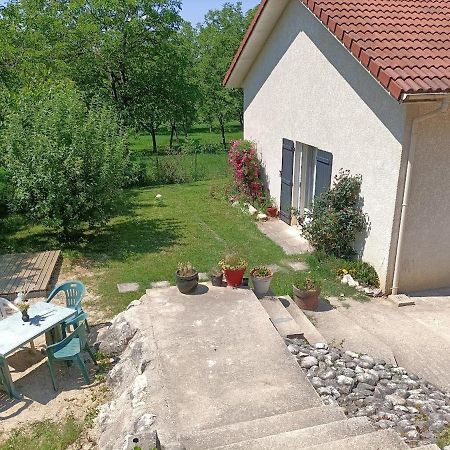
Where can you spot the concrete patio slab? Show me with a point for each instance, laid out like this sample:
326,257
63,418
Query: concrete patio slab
401,300
159,285
287,237
298,266
223,360
275,268
123,288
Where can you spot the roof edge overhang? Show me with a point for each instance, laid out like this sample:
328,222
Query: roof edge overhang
256,36
423,98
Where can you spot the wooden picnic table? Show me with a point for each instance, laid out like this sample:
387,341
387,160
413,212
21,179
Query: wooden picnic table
45,318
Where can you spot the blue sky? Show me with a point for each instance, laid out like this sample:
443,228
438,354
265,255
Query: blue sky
194,10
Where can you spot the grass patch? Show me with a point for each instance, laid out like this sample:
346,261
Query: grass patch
47,435
142,143
443,438
147,240
200,167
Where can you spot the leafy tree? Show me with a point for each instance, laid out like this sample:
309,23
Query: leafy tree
128,48
64,161
219,37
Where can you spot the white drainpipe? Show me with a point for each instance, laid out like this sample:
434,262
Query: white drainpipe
412,150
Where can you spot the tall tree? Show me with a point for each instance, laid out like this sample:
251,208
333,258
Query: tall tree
219,36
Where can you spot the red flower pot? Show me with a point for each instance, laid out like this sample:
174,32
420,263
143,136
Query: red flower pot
272,211
234,277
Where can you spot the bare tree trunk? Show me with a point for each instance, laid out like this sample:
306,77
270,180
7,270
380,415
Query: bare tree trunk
173,131
154,143
241,119
222,130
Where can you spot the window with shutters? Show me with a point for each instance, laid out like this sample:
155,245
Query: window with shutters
315,168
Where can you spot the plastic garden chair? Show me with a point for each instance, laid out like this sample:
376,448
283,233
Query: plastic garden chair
3,383
70,349
74,292
4,306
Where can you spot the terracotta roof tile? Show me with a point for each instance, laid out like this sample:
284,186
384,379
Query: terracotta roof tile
405,44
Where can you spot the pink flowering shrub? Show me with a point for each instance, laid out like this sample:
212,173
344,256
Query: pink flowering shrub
246,166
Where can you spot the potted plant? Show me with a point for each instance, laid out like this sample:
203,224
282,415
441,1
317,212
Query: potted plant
272,209
233,267
187,278
217,276
23,307
306,291
261,278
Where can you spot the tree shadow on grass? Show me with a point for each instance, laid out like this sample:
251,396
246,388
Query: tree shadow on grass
136,236
116,241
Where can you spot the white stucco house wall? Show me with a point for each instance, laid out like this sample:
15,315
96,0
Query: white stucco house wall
330,85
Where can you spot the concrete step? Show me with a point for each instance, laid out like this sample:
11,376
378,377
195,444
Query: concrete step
280,317
222,361
306,437
428,447
339,329
311,334
258,428
378,440
416,347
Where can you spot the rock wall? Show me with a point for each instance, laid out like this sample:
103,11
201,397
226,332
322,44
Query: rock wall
130,419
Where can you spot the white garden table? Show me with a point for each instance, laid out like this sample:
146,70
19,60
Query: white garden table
14,333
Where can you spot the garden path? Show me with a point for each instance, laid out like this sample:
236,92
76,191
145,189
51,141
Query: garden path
287,237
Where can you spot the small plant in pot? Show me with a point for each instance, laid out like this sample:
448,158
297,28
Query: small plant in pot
306,290
23,307
233,267
272,209
261,278
216,276
187,278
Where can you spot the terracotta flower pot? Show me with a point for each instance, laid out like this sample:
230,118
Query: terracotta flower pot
234,277
272,211
307,300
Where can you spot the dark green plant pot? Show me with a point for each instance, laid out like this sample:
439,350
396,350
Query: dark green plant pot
25,316
187,285
217,280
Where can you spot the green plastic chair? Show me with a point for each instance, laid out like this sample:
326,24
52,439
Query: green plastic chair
74,292
70,349
3,383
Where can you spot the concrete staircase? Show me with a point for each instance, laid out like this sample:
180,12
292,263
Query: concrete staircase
231,383
417,336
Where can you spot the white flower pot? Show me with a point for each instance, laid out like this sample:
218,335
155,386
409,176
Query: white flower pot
261,286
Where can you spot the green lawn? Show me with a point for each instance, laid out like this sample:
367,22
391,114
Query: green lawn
203,166
143,142
45,436
147,241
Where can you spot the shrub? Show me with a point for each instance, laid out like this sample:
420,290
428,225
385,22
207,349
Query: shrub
361,271
64,161
136,174
246,166
337,217
171,168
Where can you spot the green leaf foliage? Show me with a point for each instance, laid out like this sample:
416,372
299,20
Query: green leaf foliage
64,161
337,217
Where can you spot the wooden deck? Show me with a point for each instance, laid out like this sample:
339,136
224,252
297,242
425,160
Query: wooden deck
20,271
